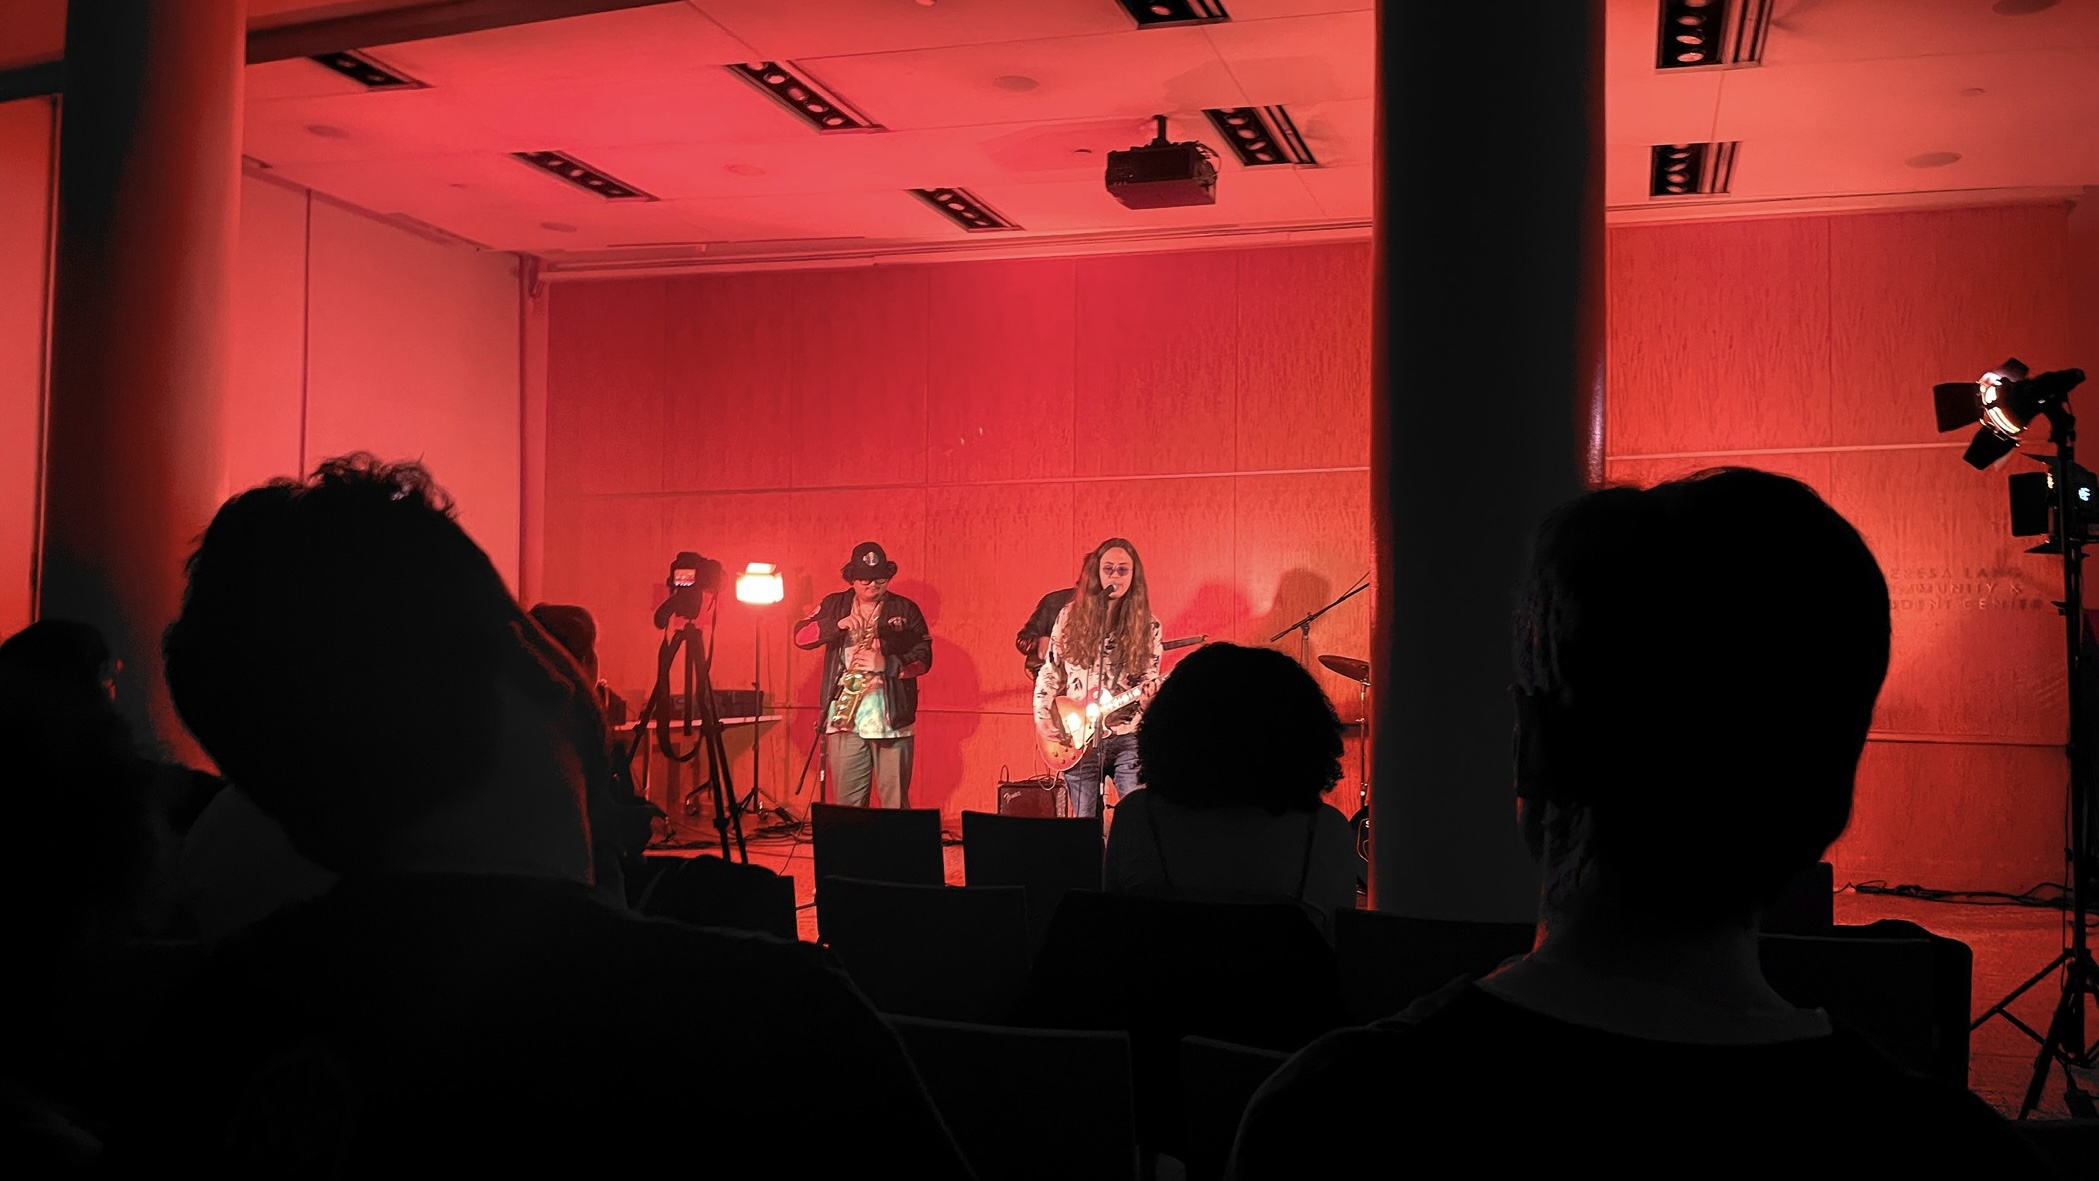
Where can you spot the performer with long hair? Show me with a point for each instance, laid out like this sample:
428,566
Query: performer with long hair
1105,644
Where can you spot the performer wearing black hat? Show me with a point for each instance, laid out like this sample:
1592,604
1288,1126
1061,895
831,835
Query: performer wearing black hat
876,647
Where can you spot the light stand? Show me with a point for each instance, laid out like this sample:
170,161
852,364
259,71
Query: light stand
759,585
2007,400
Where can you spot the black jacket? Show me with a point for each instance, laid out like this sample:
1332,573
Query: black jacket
907,649
1038,626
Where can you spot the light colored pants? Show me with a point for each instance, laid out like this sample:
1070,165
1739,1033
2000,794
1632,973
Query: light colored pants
856,763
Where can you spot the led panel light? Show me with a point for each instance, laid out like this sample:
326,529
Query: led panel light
965,209
1261,136
1699,33
1155,14
363,70
581,175
810,103
1691,170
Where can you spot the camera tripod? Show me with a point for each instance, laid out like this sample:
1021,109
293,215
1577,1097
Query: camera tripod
700,709
2064,1042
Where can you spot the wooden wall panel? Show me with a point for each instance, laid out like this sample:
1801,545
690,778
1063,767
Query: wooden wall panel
614,556
413,352
999,368
1157,363
727,382
1956,817
1183,531
1302,540
1809,467
266,390
605,406
1719,336
1922,297
26,165
1977,645
1304,357
859,384
992,552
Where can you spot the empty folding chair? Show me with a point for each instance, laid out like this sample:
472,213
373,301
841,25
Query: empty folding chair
954,952
1897,985
1218,1079
1030,1104
710,892
1256,973
1046,856
877,844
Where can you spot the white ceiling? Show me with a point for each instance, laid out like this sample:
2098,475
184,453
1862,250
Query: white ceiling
1849,92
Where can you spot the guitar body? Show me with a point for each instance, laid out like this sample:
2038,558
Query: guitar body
1079,719
1079,724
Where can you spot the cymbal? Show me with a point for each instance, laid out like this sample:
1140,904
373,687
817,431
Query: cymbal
1348,666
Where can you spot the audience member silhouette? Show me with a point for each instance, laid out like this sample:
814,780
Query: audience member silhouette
621,822
77,847
1696,668
57,694
460,999
1232,810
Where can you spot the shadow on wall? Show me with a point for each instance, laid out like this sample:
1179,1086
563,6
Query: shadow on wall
1298,593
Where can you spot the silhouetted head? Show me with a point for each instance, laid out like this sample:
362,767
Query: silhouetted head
57,660
575,630
1237,725
352,659
1696,667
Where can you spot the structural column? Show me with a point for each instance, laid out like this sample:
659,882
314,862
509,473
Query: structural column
1487,368
148,194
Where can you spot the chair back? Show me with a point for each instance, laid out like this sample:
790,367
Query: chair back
707,891
1388,961
1256,973
877,844
1896,984
1030,1104
953,952
1218,1080
1046,856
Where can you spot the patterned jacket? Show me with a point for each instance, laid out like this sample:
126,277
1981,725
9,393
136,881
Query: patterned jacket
1060,677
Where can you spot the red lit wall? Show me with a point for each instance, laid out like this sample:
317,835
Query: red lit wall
988,422
1809,346
353,334
25,222
349,334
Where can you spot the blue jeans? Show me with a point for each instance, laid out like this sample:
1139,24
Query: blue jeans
1113,756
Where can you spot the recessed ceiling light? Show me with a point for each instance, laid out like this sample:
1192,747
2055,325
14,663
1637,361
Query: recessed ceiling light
326,131
559,227
1014,82
1933,160
744,169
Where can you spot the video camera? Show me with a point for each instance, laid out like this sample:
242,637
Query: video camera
691,579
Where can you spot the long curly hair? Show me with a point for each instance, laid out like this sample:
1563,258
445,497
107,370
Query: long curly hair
1093,617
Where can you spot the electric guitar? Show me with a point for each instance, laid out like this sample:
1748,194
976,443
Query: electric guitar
1079,719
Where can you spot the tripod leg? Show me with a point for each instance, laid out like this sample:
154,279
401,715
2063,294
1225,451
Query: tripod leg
2051,1049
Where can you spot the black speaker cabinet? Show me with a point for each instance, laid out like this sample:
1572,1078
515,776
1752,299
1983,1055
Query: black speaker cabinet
1032,797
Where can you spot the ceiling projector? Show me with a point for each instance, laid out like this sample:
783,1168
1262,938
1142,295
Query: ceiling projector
1160,174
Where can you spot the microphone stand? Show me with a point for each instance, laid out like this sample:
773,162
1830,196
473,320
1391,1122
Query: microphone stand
1304,626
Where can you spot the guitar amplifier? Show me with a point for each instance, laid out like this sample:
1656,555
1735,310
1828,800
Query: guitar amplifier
1042,796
